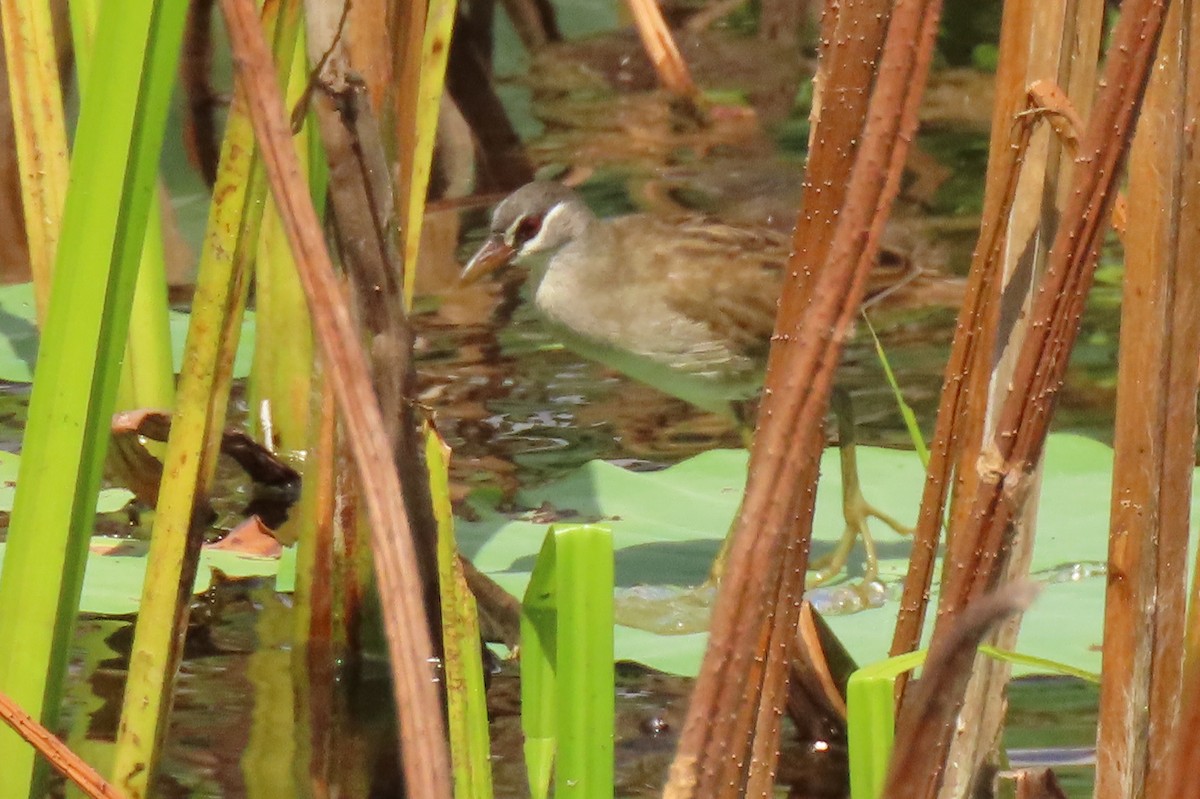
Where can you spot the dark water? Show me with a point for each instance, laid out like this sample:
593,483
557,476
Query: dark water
234,732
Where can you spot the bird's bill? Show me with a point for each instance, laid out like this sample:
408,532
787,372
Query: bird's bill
492,255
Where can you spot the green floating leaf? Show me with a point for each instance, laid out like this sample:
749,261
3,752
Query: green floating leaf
109,501
668,525
19,336
116,567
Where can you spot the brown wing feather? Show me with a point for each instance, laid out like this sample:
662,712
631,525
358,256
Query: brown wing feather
729,278
725,277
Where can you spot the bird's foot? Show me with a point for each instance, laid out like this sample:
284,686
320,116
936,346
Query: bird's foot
856,510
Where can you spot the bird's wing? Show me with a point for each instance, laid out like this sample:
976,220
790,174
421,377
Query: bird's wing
726,278
729,278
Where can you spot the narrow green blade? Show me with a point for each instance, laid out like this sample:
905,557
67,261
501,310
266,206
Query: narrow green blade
871,720
539,633
584,662
470,747
567,692
112,178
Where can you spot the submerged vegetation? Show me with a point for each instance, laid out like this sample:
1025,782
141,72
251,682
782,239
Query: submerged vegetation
390,503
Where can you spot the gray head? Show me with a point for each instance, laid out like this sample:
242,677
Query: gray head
537,218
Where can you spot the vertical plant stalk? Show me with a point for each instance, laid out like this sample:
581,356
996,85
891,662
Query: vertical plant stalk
1046,42
567,694
361,197
435,49
222,284
362,200
718,743
466,695
147,370
584,663
852,36
660,46
281,381
410,648
970,352
40,133
1186,752
317,643
852,40
372,45
1155,436
1008,461
1025,413
871,721
108,199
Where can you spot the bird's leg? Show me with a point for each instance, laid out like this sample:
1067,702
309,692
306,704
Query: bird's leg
855,508
744,413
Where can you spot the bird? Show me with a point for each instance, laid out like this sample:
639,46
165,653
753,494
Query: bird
685,305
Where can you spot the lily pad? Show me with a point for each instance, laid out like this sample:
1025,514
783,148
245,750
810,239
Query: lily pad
116,568
109,501
19,337
668,525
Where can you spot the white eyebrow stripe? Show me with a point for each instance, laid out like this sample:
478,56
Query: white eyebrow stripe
534,244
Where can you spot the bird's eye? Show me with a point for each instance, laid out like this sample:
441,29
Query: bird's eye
526,229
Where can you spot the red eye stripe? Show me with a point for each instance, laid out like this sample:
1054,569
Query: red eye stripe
527,228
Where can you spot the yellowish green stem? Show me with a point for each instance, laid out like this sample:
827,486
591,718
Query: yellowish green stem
117,145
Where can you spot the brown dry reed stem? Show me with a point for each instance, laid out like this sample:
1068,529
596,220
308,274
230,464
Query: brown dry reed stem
1039,784
410,649
783,641
964,394
660,45
1039,42
361,196
972,345
1182,766
915,768
1007,463
852,39
371,46
1145,604
850,53
319,617
200,138
739,669
64,761
850,48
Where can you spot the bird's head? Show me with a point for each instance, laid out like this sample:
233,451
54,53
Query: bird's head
537,218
